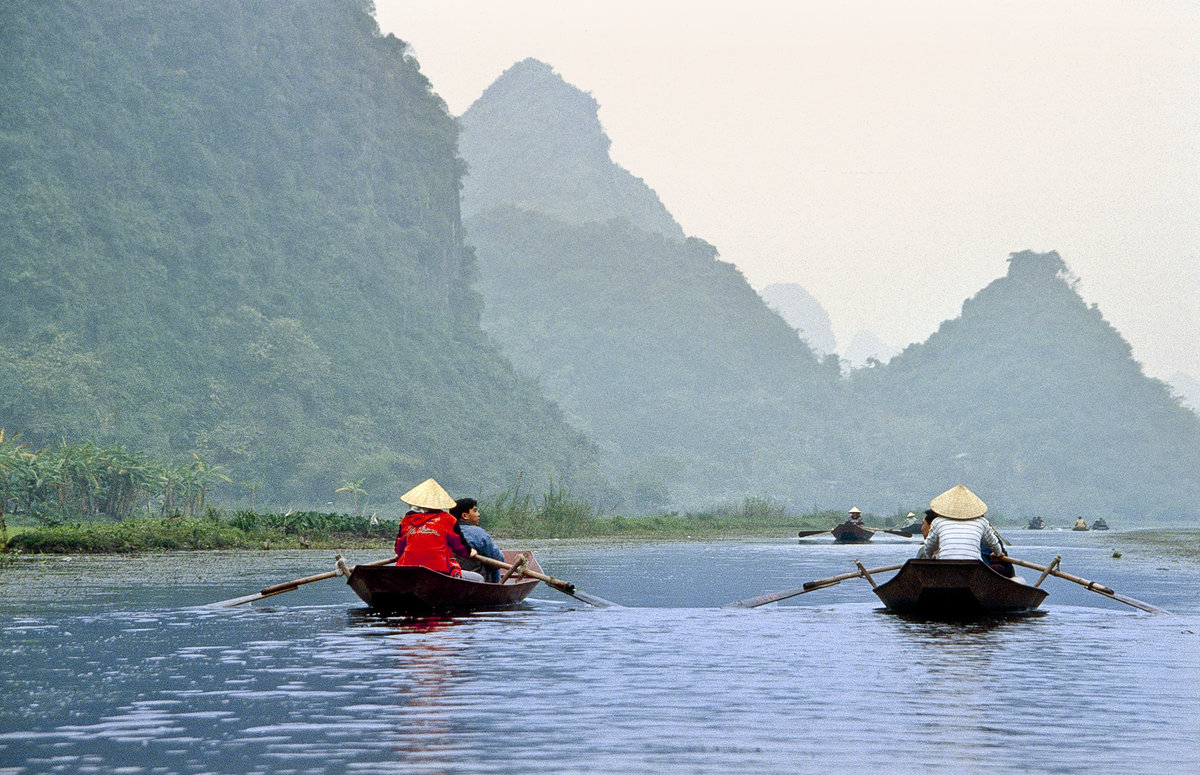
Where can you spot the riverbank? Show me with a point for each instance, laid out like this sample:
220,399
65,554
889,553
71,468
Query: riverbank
1181,543
308,530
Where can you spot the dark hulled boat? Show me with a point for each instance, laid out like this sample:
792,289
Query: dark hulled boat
413,589
1036,524
1100,524
851,533
956,589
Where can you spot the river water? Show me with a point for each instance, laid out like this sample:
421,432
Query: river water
110,666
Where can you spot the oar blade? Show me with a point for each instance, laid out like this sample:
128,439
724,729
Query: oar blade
593,600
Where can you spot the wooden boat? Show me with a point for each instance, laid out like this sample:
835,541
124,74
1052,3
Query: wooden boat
1036,524
1100,524
851,533
1081,528
413,589
956,589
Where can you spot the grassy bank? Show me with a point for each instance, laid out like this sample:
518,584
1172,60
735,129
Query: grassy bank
1175,542
510,517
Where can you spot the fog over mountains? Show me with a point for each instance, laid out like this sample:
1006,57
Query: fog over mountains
1029,395
234,229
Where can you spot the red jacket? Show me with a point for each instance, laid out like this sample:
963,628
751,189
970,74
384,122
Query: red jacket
430,539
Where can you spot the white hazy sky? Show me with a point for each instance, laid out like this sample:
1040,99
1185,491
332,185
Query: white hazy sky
887,156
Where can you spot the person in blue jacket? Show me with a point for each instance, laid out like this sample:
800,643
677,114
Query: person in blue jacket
467,512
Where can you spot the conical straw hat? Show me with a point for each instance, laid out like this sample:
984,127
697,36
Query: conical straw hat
958,503
854,510
428,495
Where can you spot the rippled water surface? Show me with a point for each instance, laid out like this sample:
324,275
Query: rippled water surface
109,667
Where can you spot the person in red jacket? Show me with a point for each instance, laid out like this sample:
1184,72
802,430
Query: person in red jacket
428,534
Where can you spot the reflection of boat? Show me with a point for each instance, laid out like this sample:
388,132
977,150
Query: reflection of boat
1036,524
413,589
851,533
955,589
1100,524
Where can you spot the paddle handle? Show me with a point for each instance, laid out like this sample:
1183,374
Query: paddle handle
288,586
809,586
1092,585
565,586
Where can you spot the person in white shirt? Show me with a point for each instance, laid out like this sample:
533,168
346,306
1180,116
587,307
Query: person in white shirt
959,527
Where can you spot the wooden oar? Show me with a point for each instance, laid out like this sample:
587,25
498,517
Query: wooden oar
809,586
807,533
288,586
565,587
1095,586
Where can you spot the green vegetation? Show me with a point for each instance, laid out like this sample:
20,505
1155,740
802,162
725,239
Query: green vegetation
511,516
85,480
215,530
231,230
1180,543
694,389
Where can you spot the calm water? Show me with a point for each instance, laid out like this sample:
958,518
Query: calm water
106,669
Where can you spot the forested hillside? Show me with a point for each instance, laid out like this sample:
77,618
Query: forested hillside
661,352
695,390
534,141
232,227
1033,396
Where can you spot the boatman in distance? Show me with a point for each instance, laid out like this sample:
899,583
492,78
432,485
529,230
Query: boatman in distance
855,516
428,535
466,510
958,527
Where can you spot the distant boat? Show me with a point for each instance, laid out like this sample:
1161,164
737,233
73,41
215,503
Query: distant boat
1036,524
1080,526
956,589
851,533
1100,524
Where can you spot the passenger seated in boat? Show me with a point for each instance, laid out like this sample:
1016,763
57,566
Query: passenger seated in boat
466,511
428,535
1080,524
957,527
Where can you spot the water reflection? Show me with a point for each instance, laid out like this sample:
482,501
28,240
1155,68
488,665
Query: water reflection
315,683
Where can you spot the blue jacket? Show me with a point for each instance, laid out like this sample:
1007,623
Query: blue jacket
479,540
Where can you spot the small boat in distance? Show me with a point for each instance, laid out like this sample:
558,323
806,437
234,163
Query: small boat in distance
417,590
850,532
1100,524
956,589
1080,525
1036,524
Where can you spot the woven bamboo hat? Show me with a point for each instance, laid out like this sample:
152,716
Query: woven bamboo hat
855,510
428,495
958,503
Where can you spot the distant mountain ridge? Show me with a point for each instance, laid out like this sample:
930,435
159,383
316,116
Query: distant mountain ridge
533,141
648,342
1037,399
801,310
1029,396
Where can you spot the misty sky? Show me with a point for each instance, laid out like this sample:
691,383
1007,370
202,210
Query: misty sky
887,156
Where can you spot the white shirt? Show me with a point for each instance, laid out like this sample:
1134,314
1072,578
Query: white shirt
959,539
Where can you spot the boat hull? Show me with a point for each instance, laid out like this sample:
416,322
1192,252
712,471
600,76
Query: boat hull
956,589
413,589
850,533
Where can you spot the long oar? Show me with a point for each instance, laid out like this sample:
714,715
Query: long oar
809,586
807,533
288,586
1095,586
562,586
